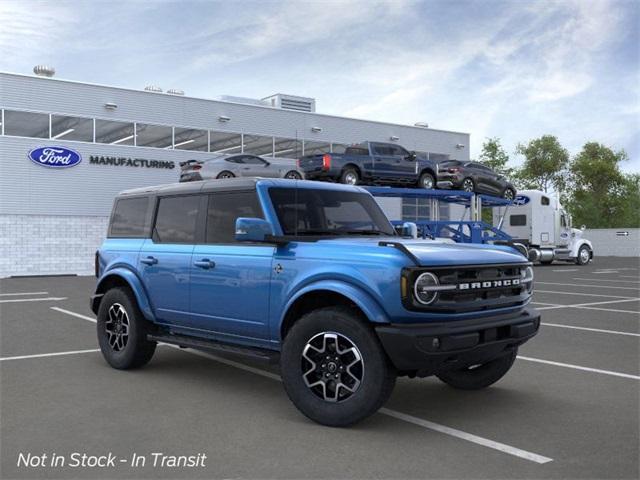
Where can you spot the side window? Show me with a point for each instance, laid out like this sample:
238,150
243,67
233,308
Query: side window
176,219
129,218
379,149
563,220
224,209
399,151
235,160
544,200
250,159
518,220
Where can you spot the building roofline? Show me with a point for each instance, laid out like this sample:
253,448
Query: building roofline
232,103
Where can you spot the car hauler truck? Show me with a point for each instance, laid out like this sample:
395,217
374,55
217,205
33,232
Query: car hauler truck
538,221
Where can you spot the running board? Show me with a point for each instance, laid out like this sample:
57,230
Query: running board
184,341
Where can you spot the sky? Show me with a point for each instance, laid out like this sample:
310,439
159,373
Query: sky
509,69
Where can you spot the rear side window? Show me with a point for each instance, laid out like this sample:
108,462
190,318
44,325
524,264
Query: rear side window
544,201
518,220
224,209
129,218
176,219
356,151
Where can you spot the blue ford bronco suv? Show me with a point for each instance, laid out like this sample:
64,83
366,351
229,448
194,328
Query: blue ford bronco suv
314,276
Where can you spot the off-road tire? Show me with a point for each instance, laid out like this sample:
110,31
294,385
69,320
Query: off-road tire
425,179
378,377
137,350
481,376
349,173
225,174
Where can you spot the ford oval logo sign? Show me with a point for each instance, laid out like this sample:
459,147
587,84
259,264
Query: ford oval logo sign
55,157
521,200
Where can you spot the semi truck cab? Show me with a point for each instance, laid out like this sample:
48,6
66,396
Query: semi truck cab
538,221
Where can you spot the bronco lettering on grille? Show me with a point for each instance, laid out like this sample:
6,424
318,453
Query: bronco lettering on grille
510,282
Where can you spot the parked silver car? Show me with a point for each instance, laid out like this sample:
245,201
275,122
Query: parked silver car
240,165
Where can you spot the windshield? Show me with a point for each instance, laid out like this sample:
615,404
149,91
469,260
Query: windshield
328,213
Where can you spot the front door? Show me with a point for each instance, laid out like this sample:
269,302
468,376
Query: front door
230,281
164,262
254,166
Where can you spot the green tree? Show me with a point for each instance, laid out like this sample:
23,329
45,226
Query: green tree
494,156
600,195
545,164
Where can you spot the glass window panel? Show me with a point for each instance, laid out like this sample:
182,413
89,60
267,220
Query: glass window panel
113,132
258,145
129,218
157,136
338,147
225,209
438,157
176,219
288,148
71,128
225,142
190,139
26,124
313,148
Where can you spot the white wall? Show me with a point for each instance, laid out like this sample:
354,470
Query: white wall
607,242
49,245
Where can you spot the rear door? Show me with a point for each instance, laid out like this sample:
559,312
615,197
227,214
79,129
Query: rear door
164,262
230,281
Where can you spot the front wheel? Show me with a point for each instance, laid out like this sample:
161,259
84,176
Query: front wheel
122,331
584,255
509,194
427,181
477,377
293,175
334,369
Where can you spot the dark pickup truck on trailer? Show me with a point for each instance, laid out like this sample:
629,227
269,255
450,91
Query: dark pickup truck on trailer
372,162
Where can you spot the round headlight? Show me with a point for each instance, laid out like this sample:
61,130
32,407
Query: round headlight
425,288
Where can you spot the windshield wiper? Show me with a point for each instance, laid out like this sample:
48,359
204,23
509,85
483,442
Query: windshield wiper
317,232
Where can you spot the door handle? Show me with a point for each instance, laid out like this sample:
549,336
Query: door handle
205,263
149,260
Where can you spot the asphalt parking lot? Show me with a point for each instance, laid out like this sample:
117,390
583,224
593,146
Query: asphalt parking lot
568,409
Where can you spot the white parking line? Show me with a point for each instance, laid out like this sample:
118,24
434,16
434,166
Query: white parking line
469,437
23,293
533,457
73,314
607,280
567,270
628,276
598,330
46,299
587,286
579,367
579,294
591,304
41,355
604,272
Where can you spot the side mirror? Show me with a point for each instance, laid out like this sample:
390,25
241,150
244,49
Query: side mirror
409,229
412,156
583,228
252,230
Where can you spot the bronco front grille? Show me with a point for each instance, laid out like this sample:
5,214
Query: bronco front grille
472,288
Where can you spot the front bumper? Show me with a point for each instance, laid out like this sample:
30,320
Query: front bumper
430,348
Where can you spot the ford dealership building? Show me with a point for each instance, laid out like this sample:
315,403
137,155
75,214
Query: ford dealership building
66,149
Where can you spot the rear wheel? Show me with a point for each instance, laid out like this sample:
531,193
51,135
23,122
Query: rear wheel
427,181
122,331
334,369
468,185
225,174
350,176
584,255
481,376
